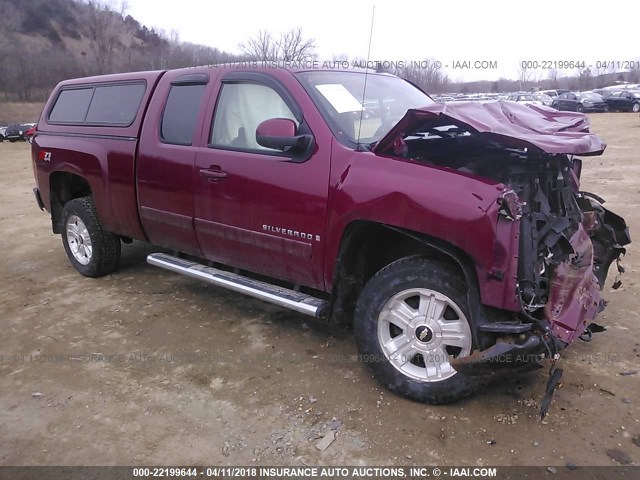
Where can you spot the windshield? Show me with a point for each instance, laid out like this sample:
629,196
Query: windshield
341,99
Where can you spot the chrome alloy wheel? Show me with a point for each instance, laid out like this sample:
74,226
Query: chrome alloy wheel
419,330
78,239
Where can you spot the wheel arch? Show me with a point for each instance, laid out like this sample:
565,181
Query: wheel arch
366,247
63,187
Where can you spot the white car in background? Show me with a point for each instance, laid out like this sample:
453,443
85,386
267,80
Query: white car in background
544,98
623,86
527,99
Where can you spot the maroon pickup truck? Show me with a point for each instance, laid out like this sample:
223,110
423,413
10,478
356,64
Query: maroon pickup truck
454,238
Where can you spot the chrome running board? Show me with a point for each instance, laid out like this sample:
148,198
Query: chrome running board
283,297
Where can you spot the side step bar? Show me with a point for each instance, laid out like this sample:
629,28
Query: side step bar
283,297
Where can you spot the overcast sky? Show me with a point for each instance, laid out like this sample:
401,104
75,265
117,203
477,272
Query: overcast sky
506,32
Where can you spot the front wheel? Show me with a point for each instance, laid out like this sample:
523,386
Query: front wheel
636,107
580,109
411,319
92,251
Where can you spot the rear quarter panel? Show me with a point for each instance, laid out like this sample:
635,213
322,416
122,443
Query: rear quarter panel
103,155
107,164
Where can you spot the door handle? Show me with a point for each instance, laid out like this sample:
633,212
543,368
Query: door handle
213,173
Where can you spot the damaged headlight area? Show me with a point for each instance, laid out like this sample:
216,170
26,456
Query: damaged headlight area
551,217
567,239
510,205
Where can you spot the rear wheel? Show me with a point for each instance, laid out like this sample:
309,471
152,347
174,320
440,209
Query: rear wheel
92,251
411,319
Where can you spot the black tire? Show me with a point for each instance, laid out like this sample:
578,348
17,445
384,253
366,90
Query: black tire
580,109
105,246
635,108
401,275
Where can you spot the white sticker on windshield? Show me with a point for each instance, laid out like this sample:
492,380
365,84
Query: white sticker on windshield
339,97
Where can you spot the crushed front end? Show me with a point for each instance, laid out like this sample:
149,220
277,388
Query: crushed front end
566,239
566,243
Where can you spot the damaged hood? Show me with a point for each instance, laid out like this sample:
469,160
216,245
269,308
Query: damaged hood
509,123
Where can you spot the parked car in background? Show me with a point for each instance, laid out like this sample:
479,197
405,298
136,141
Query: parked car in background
555,93
546,100
526,99
17,132
580,102
602,92
3,130
622,86
30,132
624,101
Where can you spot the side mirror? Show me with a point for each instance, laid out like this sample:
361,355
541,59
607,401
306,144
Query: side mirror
280,134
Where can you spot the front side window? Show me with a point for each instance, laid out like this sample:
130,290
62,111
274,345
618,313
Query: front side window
357,114
181,113
241,108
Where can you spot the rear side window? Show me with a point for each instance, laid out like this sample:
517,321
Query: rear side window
114,105
71,106
180,114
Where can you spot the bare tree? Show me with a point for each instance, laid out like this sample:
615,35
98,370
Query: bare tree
554,73
291,46
524,75
601,68
585,79
104,27
261,47
426,75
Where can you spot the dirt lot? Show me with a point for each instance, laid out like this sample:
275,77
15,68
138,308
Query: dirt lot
145,366
16,112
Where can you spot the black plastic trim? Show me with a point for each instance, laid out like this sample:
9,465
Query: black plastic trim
36,192
191,79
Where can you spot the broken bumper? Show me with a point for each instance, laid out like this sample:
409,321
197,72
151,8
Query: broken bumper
504,356
574,299
574,292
